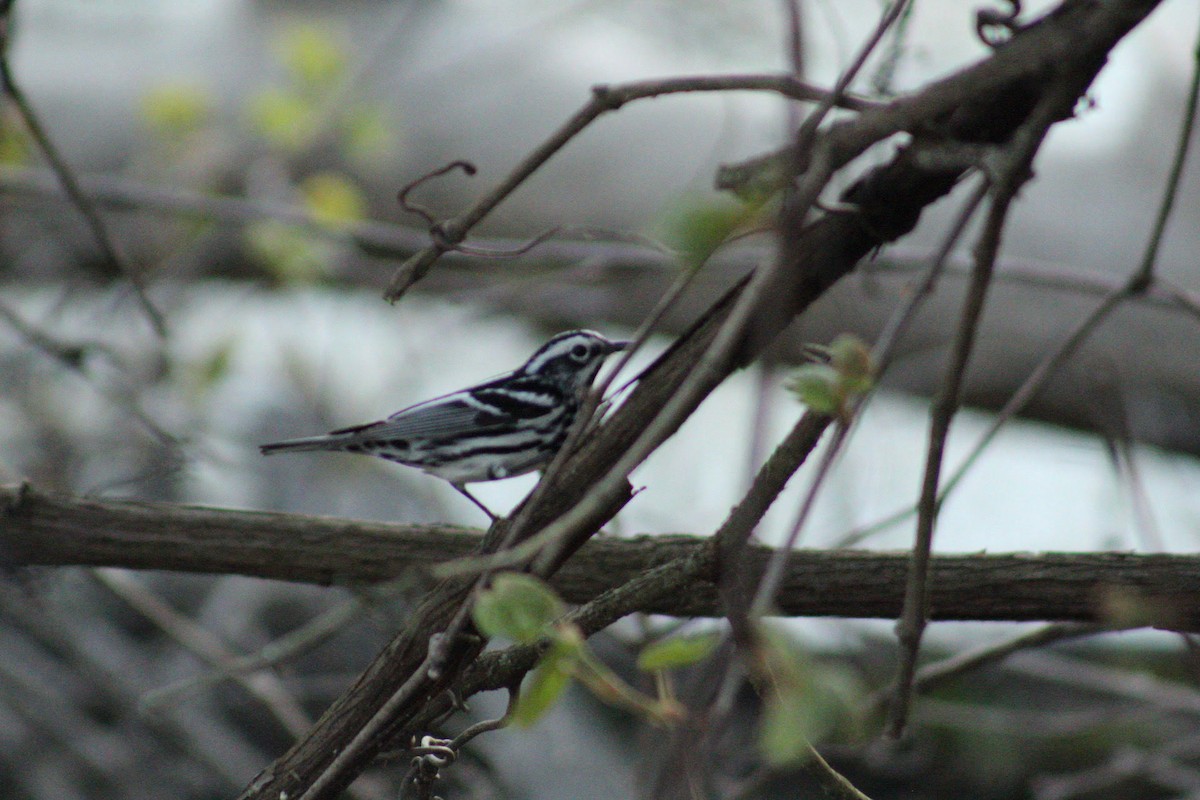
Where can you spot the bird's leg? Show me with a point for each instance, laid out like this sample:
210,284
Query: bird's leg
462,489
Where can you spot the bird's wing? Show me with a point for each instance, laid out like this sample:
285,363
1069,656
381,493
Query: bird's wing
453,415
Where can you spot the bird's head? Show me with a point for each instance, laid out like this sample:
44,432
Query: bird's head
572,358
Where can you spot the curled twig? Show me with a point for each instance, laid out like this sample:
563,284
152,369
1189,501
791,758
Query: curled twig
432,754
994,27
419,210
604,99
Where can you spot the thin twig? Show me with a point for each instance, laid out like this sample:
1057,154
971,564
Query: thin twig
916,600
68,353
764,595
939,673
1146,530
832,782
886,345
267,689
73,355
521,249
731,539
432,754
488,725
808,131
1145,274
604,99
285,648
1012,174
1142,283
100,231
794,44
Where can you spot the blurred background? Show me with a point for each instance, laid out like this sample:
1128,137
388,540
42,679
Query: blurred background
246,157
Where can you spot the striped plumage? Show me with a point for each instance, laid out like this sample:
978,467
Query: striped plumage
507,426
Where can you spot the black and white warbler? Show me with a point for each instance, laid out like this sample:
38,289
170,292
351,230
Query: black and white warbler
508,426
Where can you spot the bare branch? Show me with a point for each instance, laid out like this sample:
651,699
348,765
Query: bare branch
50,530
939,673
264,687
603,100
1015,169
66,176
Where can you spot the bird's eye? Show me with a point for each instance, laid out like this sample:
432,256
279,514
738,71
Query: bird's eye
579,352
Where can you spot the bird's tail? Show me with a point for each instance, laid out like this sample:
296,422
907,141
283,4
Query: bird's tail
327,442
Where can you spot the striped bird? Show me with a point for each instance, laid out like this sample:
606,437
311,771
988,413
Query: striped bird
508,426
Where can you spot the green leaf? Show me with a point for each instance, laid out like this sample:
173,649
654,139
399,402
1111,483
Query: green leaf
818,386
851,358
675,652
333,199
806,703
14,141
175,110
367,135
518,607
542,688
312,55
290,255
284,118
758,179
783,737
702,224
213,369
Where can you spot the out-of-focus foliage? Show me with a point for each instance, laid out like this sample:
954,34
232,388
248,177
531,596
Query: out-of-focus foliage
517,607
806,701
299,141
830,388
283,118
14,141
676,651
175,110
333,199
698,225
545,686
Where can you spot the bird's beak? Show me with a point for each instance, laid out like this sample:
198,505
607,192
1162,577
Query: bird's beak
616,347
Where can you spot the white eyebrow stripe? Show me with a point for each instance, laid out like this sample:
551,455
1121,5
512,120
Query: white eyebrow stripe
558,350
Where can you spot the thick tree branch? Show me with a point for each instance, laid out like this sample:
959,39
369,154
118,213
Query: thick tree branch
50,530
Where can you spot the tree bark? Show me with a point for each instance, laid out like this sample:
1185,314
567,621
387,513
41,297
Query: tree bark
49,530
